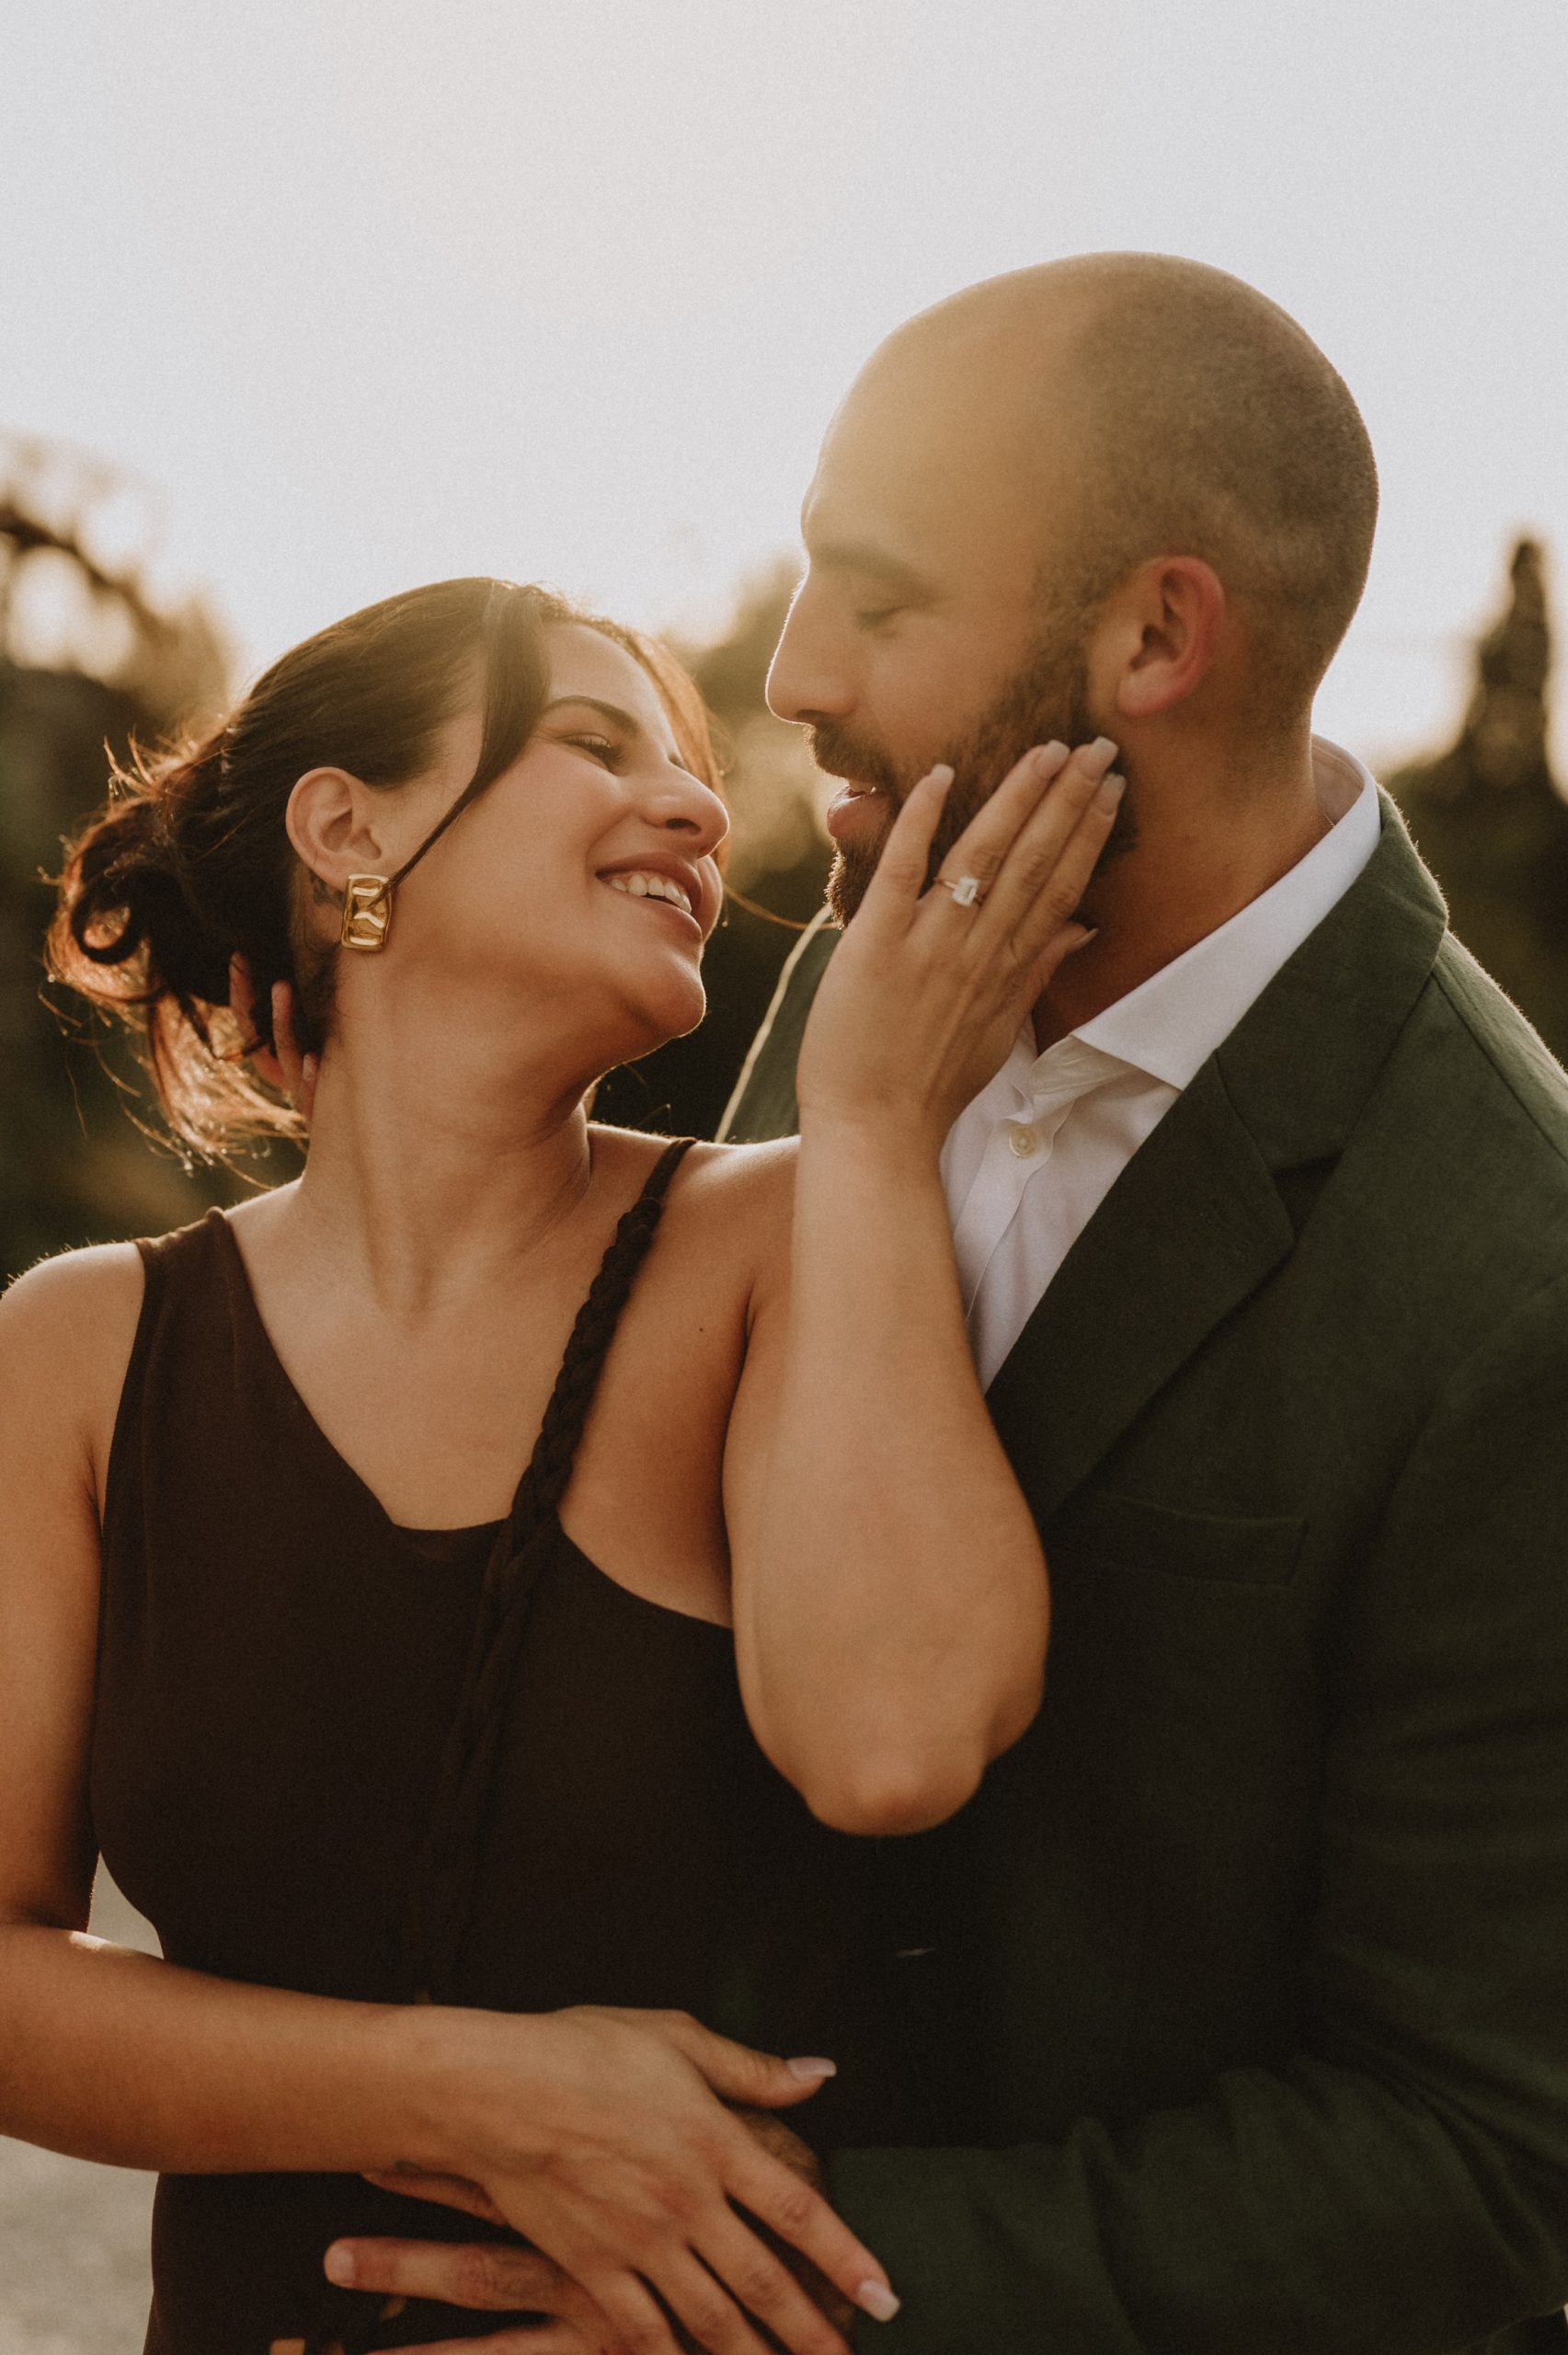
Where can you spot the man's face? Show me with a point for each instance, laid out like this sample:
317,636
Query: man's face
927,627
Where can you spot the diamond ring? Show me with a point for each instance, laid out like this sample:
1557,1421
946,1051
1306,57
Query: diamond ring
966,892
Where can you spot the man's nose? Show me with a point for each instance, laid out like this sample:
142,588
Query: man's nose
807,681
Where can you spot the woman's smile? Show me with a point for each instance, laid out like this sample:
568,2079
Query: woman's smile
670,884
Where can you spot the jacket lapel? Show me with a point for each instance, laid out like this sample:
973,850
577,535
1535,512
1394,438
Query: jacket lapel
1194,1225
1197,1221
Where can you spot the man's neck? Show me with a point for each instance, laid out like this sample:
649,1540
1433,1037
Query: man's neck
1205,847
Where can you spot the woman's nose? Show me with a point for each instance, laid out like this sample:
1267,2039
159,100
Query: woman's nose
685,805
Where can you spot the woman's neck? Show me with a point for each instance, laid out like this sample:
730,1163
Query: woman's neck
440,1155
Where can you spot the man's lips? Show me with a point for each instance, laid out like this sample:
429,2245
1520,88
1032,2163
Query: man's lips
857,813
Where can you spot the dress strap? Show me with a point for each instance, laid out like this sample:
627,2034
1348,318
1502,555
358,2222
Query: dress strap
543,1484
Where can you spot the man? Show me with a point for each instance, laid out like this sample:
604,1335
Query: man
1245,1976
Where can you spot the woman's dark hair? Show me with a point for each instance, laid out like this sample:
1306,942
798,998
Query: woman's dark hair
190,861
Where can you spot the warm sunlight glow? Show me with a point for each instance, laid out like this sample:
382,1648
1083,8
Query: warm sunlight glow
372,291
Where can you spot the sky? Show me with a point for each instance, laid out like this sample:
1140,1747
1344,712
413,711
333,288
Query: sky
361,293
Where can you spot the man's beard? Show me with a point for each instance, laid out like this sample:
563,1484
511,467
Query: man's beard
1049,699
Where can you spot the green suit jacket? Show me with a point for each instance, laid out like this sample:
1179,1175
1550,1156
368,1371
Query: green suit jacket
1243,1981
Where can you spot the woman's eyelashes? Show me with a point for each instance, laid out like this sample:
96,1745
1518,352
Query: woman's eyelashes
607,749
615,753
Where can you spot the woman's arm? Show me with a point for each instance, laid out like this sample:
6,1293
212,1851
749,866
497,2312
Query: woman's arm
891,1602
597,2134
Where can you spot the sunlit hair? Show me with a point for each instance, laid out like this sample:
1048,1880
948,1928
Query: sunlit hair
189,862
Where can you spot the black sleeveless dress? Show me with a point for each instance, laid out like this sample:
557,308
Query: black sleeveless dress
340,1756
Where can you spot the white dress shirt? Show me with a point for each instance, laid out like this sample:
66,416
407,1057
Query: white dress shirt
1029,1161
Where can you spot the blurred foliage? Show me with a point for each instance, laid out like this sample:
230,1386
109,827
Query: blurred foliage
90,656
1489,820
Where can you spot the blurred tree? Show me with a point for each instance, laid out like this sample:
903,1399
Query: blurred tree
87,660
1489,819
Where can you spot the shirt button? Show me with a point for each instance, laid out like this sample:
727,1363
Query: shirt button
1021,1139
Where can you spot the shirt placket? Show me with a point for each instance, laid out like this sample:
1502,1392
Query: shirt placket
1018,1149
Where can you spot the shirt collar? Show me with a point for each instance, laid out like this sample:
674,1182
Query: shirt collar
1172,1023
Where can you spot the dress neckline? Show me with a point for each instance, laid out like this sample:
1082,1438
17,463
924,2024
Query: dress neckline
439,1546
244,1292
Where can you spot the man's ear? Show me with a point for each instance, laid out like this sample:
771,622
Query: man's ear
1158,637
332,822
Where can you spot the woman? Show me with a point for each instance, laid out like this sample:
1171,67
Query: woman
438,1790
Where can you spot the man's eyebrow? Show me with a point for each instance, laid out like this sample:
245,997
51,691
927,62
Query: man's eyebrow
866,558
595,703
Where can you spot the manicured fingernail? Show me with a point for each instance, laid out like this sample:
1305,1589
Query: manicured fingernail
1052,754
812,2070
1097,757
1111,789
941,773
876,2299
338,2264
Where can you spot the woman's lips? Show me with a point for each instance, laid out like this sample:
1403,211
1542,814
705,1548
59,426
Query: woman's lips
857,813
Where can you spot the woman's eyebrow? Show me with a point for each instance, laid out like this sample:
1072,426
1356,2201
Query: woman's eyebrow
612,711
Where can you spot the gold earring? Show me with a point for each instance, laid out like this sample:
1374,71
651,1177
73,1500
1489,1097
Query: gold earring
366,912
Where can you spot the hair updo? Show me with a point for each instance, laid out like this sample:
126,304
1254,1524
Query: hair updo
190,863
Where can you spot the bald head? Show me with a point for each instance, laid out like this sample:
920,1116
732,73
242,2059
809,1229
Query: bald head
1162,409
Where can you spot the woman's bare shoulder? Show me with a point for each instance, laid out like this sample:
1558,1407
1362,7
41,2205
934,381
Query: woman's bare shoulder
742,1203
723,1180
66,1331
746,1190
747,1169
730,1205
79,1289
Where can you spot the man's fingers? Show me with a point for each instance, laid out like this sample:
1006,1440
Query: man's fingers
634,2315
298,1069
242,994
441,2190
282,1066
485,2278
712,2317
550,2338
768,2290
242,1005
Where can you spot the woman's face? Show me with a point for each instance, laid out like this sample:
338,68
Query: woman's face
582,882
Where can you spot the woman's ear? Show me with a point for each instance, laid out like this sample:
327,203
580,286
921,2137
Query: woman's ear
1159,636
332,823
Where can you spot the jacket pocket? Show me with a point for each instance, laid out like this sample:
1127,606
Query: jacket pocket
1136,1534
